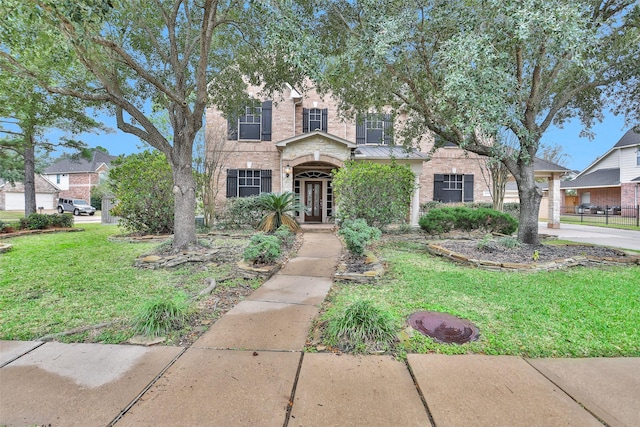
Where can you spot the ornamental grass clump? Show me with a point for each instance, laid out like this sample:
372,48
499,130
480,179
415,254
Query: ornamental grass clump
361,327
159,317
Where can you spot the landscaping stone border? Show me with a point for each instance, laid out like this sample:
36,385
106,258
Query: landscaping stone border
45,231
377,269
533,267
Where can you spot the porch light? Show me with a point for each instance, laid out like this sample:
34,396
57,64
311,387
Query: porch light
287,170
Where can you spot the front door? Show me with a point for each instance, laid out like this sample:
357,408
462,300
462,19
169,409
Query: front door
313,201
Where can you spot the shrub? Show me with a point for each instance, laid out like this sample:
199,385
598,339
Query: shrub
285,235
240,212
142,184
438,221
357,235
6,227
361,326
262,249
35,221
379,194
278,209
61,220
443,220
159,317
427,206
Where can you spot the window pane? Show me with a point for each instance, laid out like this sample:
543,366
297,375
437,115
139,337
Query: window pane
375,136
249,131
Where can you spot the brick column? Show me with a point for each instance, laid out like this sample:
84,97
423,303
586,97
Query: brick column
415,203
554,201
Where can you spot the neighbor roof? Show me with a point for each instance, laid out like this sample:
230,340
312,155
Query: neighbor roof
599,178
542,165
630,138
80,165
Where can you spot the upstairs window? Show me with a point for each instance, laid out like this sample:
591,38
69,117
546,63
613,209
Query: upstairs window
252,124
375,128
314,119
638,156
249,124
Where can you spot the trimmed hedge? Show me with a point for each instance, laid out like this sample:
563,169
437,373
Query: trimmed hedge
37,221
446,219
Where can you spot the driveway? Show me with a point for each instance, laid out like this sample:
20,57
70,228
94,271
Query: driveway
624,239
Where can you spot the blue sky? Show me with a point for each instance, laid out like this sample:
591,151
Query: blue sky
581,152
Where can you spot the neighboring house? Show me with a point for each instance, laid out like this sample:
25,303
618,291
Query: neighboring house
294,141
77,176
544,169
613,179
12,195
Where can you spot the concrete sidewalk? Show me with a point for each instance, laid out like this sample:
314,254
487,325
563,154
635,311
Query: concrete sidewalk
250,369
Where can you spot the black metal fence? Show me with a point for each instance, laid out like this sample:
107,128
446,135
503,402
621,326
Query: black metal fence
618,215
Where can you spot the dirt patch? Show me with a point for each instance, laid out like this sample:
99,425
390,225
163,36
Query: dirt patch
524,254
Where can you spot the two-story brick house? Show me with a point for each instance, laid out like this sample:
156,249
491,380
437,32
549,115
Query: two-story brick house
613,179
294,141
77,176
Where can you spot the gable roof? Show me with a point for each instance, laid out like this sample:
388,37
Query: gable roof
542,165
69,164
42,185
599,178
311,135
630,138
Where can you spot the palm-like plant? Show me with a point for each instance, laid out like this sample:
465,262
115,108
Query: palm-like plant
279,208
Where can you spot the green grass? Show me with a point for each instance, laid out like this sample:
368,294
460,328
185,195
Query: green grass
578,312
51,283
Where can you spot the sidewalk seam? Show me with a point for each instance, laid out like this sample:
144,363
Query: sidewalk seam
147,388
547,375
422,398
22,354
293,391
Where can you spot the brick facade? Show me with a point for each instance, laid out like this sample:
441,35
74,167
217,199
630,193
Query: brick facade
602,196
630,194
288,146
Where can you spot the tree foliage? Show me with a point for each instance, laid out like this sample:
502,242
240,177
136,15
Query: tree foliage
141,186
378,193
176,55
465,70
27,114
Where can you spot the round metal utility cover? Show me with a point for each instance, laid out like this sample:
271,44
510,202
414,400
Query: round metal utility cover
444,328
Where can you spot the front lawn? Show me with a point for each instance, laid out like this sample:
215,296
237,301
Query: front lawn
579,312
51,283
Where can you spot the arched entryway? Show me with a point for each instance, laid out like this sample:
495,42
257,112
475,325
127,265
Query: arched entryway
312,183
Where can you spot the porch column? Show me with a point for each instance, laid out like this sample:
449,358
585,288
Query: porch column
415,202
554,201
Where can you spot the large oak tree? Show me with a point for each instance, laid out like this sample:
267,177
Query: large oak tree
466,71
175,55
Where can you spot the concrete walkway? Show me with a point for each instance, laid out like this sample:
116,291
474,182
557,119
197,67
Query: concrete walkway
614,237
250,369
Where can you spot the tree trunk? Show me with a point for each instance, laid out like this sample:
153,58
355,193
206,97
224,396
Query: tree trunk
29,177
184,190
530,196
